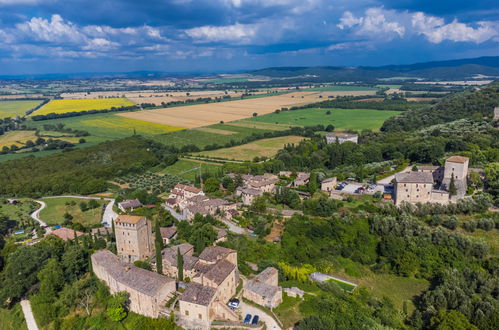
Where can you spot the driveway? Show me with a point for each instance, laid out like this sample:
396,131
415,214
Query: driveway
264,317
36,216
234,228
28,315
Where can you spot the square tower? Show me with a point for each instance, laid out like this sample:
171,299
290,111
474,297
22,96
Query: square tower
134,240
456,166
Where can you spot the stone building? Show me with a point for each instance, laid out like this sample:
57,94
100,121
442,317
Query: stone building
148,291
264,288
339,137
413,187
129,204
328,184
457,167
248,195
436,171
134,239
168,233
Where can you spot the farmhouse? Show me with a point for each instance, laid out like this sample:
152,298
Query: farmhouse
65,234
129,204
183,192
328,184
134,240
496,113
248,195
339,137
413,187
148,291
264,289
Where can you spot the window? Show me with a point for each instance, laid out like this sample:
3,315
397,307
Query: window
200,316
186,312
407,196
407,190
417,196
417,189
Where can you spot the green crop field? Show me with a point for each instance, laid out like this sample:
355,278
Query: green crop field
16,108
69,105
345,286
107,126
342,88
53,214
188,169
341,119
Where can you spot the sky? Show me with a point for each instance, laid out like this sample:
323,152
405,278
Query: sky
208,36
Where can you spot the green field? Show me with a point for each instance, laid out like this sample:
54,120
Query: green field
345,286
53,214
342,88
16,108
65,106
107,126
188,169
19,212
259,148
341,119
12,319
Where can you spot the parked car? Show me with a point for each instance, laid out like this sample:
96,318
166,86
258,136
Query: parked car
247,319
233,303
256,318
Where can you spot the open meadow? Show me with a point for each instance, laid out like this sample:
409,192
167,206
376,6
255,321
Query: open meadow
17,138
65,106
188,169
259,148
206,114
356,119
53,214
16,108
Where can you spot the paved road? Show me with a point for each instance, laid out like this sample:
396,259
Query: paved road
28,315
109,214
234,228
264,317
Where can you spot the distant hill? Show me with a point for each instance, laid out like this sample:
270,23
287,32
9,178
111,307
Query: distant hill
441,70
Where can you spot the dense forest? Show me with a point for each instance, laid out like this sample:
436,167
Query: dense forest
469,104
82,171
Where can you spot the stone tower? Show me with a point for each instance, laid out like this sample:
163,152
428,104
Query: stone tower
134,239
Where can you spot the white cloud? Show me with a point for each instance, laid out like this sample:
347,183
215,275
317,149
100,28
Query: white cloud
374,23
237,33
436,31
55,30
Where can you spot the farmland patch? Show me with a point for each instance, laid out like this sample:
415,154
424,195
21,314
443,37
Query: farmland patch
65,106
16,108
216,131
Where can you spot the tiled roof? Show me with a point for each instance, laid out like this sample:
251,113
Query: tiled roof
414,177
328,180
262,289
214,253
219,271
198,294
168,232
457,159
65,233
251,191
131,219
188,188
427,168
130,203
267,274
144,281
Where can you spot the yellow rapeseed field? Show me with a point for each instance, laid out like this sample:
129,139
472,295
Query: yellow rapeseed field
65,106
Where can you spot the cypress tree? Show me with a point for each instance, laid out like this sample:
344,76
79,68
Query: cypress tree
159,247
452,186
113,235
180,265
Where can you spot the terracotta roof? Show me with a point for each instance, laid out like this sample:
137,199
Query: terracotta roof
251,191
214,253
131,219
198,294
188,188
144,281
414,177
427,168
267,274
457,159
168,232
328,180
197,209
65,233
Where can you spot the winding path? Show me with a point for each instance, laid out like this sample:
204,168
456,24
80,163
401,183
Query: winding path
28,315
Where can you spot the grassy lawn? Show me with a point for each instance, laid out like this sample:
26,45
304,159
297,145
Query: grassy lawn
188,169
345,286
12,319
19,212
64,106
289,311
341,119
107,126
16,108
260,148
53,214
